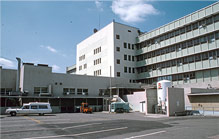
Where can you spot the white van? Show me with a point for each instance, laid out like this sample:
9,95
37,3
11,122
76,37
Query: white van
31,108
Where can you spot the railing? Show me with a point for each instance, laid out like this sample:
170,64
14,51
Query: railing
204,110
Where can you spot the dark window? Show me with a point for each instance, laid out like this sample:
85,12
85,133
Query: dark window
26,107
185,60
79,91
194,26
182,30
129,58
43,107
183,45
197,58
218,53
177,32
133,70
117,36
129,46
125,57
174,78
33,106
204,56
211,38
125,45
133,47
191,59
216,18
178,47
130,70
173,63
117,49
192,75
129,31
171,34
180,77
133,58
125,69
203,39
196,41
217,35
188,28
209,21
118,61
118,74
190,43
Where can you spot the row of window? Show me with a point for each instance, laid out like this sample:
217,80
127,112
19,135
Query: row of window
128,45
67,91
129,69
81,57
180,61
38,90
97,50
201,24
97,61
129,57
85,67
179,46
177,77
97,72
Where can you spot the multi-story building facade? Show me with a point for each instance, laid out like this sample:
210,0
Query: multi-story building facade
183,51
109,52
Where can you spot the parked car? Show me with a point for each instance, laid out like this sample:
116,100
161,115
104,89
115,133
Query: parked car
31,108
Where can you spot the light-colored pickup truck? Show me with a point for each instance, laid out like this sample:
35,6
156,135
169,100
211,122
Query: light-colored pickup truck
31,108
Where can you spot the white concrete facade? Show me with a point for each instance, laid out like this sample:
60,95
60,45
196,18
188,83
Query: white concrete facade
105,49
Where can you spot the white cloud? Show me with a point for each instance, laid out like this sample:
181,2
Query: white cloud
55,68
99,5
6,63
51,49
132,10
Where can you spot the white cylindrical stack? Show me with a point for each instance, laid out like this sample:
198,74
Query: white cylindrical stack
162,91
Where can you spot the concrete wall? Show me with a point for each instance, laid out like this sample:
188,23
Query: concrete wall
135,99
38,76
151,100
175,100
8,78
187,88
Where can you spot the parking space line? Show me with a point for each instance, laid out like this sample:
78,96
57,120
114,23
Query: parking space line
80,134
81,125
146,135
37,121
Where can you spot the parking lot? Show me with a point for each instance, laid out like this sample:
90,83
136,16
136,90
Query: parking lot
111,126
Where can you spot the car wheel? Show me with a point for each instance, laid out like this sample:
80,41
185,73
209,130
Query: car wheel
13,113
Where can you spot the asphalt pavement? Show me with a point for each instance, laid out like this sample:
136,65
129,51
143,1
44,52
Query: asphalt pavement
110,126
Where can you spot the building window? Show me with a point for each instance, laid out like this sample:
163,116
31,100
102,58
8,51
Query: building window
118,74
85,66
125,69
85,92
133,70
118,49
38,90
133,58
133,47
130,70
129,31
79,91
117,36
125,45
125,57
80,68
118,61
129,58
129,46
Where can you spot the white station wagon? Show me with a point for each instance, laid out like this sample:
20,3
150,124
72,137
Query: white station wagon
31,108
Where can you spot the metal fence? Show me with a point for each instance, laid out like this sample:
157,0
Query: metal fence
206,111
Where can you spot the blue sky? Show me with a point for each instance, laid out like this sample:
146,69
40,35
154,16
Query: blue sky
47,32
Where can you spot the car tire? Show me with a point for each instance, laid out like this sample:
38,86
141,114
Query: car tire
13,113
